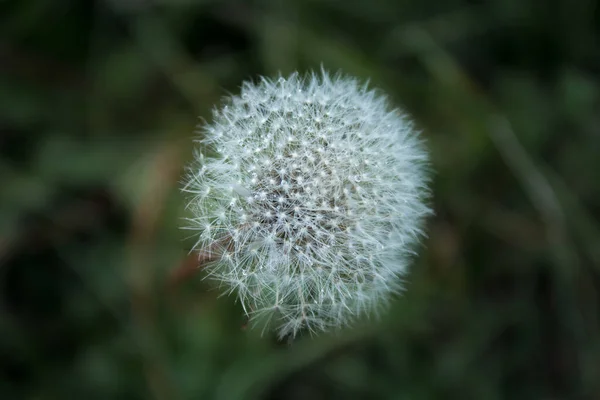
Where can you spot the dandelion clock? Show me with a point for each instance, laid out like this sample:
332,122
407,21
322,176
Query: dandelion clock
312,201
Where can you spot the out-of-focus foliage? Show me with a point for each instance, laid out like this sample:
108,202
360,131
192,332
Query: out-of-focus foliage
98,103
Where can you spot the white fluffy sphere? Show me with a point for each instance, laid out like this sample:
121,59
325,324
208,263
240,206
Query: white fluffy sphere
315,202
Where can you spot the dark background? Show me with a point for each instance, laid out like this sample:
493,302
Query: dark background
98,104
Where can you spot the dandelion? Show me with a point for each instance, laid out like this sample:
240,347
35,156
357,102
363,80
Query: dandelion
314,204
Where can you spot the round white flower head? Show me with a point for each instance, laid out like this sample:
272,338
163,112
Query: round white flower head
315,202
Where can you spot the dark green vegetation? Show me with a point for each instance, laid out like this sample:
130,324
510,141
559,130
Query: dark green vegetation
98,100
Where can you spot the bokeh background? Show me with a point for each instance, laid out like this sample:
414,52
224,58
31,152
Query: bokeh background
98,105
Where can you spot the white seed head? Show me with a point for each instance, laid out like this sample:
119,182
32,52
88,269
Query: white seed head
315,202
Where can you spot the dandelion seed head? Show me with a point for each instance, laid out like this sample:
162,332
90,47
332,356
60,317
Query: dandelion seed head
315,202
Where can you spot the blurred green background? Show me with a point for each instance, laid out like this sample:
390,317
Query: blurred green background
98,104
